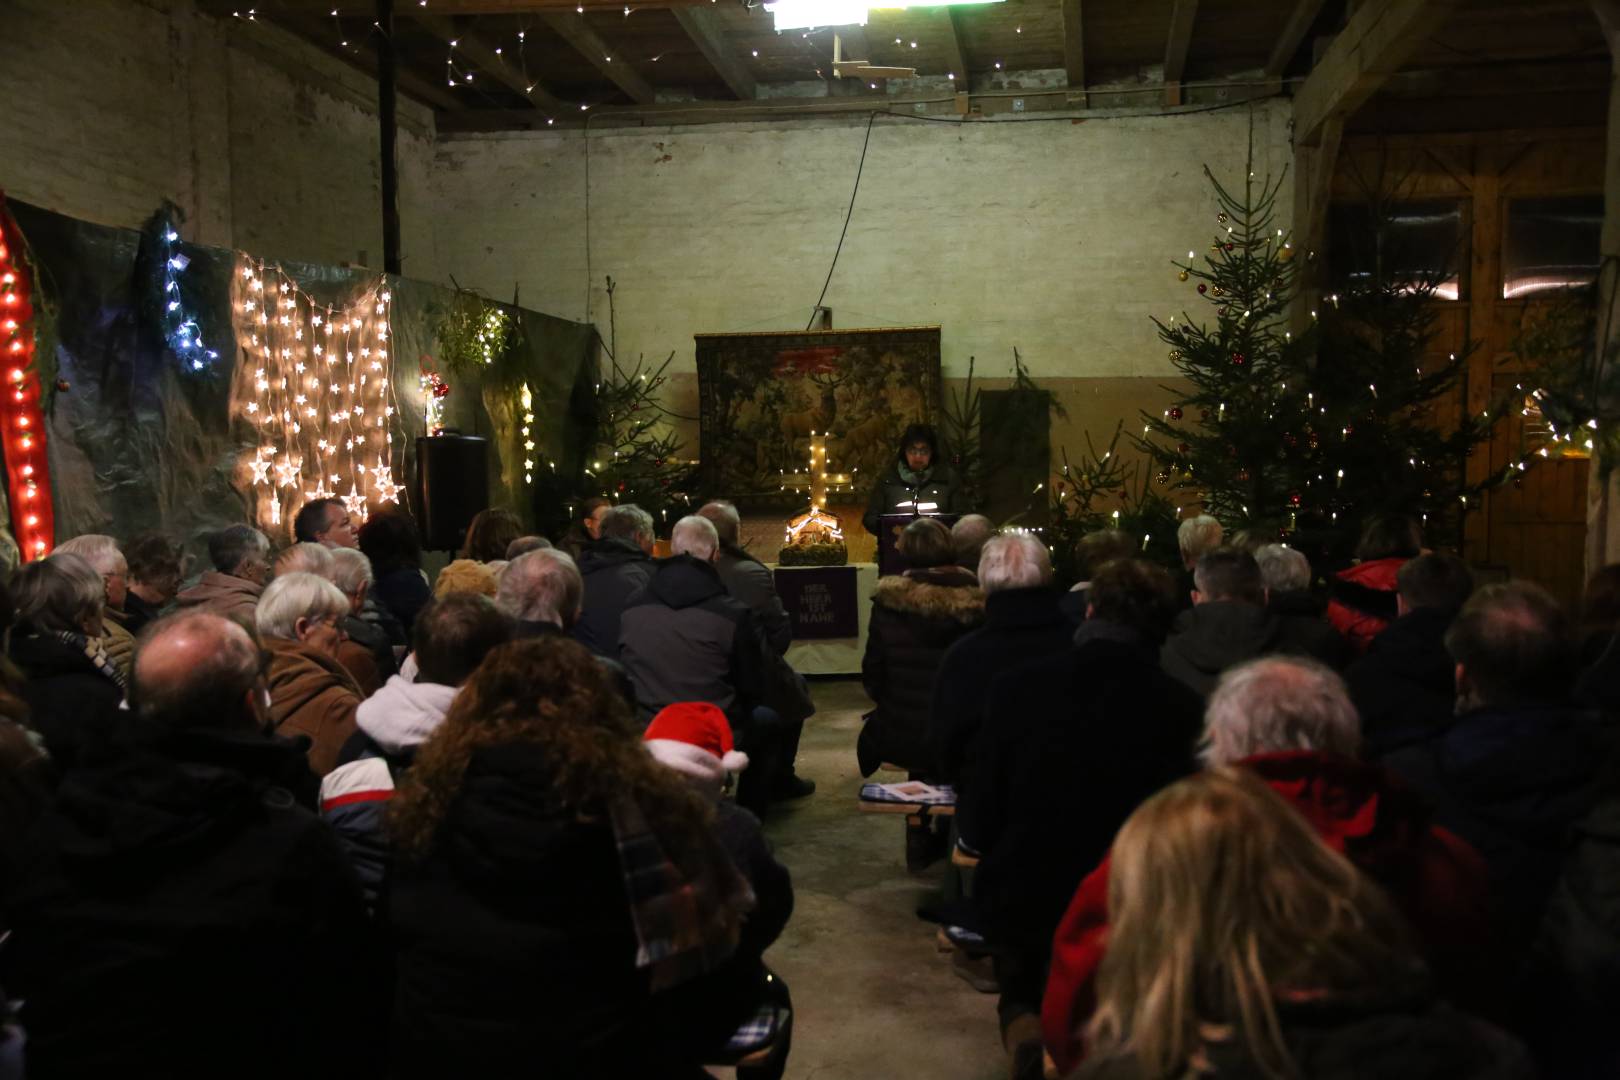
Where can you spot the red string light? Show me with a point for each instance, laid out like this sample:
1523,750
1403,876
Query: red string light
22,423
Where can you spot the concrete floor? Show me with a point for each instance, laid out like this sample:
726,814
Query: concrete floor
872,996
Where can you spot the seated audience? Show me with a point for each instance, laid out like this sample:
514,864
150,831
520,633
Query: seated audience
181,915
241,558
1095,549
694,739
305,558
451,638
559,899
73,691
525,544
968,538
1251,540
390,540
154,578
746,578
1242,945
1405,686
586,528
1289,721
1286,574
1600,615
916,616
1520,766
1021,623
541,591
300,623
488,535
102,553
1194,537
351,573
615,566
1362,597
1229,624
466,576
325,522
1071,745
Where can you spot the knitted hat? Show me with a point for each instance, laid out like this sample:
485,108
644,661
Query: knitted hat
694,738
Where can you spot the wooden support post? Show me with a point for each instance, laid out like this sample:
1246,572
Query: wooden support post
388,152
1074,50
1175,49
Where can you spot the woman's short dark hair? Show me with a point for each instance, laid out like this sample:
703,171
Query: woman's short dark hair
1136,594
489,534
152,557
390,540
1390,536
926,542
919,433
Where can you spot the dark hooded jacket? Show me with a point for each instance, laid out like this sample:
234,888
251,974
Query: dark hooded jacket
1388,831
916,616
938,486
750,581
1515,783
613,571
1020,626
516,947
682,638
1213,636
1071,746
1404,686
180,910
72,703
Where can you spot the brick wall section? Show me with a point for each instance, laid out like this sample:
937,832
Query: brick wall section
110,106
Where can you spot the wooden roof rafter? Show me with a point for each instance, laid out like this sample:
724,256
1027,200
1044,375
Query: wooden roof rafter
493,64
1176,47
572,28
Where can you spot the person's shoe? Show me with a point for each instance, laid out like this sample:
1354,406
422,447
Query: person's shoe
794,787
977,971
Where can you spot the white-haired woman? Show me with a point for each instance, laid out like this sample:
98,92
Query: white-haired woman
300,621
107,560
73,690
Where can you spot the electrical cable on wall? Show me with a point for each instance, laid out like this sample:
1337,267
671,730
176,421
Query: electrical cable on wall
859,169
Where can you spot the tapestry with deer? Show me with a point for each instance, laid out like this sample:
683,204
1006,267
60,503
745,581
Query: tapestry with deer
764,396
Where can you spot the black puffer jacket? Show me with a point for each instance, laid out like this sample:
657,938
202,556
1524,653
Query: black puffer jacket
1404,686
939,488
71,702
516,951
613,571
916,616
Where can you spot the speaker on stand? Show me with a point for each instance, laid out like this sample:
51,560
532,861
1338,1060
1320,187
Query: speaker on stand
452,485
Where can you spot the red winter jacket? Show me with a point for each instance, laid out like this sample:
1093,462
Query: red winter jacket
1362,600
1435,878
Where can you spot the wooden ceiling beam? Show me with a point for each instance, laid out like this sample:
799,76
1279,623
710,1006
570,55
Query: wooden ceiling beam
367,9
1293,33
491,63
434,95
1074,48
572,28
1373,45
1175,49
955,55
703,28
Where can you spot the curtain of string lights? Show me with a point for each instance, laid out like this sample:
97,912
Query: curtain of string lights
315,387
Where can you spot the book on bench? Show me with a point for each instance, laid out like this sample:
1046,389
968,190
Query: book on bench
910,792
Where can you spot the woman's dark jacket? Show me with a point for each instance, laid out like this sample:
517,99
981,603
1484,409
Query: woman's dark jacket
940,487
71,702
515,948
916,616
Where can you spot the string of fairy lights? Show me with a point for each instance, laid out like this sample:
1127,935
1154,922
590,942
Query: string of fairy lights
314,383
22,422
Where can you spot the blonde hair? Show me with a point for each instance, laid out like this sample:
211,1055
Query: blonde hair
1220,898
1197,535
465,576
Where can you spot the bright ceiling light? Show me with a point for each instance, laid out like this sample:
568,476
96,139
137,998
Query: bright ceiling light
807,14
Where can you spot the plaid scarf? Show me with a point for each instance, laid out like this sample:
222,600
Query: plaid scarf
684,927
92,650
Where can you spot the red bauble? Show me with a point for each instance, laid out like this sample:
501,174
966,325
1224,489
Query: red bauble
1243,476
1228,247
1202,288
658,463
1203,414
1183,449
1294,499
1238,358
621,486
1349,430
440,389
1175,412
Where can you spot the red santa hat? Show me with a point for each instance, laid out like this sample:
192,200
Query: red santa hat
694,737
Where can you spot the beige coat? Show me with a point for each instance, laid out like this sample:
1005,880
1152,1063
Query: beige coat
222,594
311,694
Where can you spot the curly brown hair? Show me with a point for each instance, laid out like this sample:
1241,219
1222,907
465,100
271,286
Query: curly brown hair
552,693
489,533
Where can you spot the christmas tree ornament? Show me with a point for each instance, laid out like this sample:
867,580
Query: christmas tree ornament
1243,476
1175,412
1182,276
1238,358
1183,449
1294,498
1202,288
1221,217
1229,246
1219,291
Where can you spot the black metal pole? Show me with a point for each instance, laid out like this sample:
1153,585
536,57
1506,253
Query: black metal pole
386,117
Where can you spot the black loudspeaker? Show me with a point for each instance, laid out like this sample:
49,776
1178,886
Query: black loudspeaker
452,485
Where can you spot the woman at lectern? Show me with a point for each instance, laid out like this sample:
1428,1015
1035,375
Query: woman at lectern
918,482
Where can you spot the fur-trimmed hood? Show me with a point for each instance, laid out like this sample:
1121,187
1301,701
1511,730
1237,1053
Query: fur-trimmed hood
944,592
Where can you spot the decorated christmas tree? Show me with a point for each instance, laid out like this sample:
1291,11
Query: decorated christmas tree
1307,434
635,455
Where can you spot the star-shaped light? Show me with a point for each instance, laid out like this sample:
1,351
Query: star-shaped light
354,502
286,473
261,470
382,482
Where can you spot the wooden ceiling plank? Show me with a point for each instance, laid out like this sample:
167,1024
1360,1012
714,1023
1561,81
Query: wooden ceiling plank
703,28
445,8
1293,32
1182,17
491,63
433,95
572,28
1372,47
1074,47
